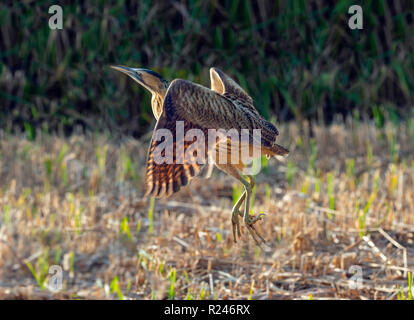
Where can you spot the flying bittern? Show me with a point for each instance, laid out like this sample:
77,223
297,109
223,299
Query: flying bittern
225,106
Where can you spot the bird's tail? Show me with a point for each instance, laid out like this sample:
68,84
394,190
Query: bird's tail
275,150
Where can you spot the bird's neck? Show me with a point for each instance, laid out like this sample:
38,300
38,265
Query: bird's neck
156,103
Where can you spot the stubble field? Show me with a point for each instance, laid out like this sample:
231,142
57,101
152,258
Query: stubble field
339,220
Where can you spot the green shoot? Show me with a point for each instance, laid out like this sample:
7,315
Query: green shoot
115,288
251,291
125,228
202,293
138,229
171,291
290,172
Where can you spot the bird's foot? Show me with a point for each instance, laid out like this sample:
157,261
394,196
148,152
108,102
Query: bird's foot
252,229
253,219
249,225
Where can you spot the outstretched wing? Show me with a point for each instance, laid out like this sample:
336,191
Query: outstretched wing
211,110
164,178
168,166
191,106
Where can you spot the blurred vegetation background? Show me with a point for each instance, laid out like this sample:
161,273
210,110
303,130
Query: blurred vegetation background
298,59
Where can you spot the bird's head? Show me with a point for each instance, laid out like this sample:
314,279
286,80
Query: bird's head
149,79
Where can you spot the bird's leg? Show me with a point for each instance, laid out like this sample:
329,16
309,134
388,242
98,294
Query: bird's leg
236,209
235,215
260,215
236,212
248,220
234,172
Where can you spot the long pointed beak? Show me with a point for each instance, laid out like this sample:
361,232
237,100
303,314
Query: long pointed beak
129,71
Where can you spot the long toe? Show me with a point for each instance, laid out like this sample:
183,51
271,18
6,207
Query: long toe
236,226
252,234
234,234
254,219
258,234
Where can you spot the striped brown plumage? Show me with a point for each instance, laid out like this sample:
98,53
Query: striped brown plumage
166,179
227,106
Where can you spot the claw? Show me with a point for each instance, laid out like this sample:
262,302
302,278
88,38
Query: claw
252,230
